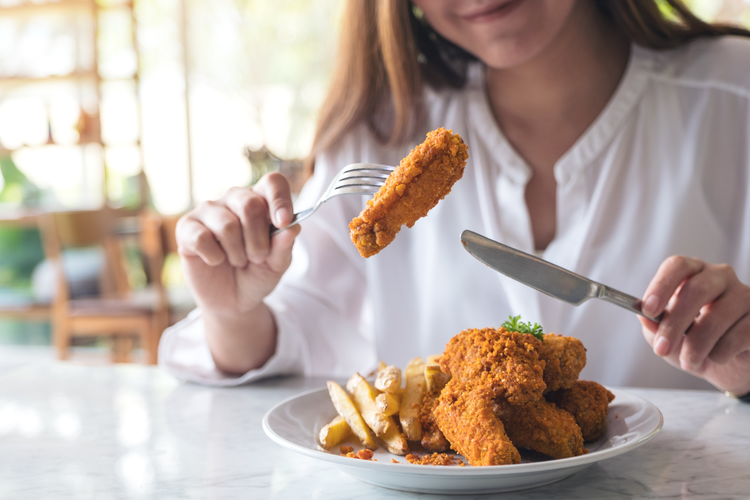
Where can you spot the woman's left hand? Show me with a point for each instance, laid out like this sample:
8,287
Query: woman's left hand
706,325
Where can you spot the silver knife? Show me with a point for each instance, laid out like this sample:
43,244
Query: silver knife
545,276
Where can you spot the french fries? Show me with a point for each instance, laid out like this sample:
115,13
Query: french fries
394,440
346,409
364,399
352,383
388,379
384,409
434,376
334,432
411,401
388,403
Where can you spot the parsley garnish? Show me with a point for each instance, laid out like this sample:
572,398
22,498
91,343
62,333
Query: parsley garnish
514,324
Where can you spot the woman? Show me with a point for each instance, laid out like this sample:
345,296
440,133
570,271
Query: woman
601,136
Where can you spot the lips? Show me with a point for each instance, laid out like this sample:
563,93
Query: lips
489,13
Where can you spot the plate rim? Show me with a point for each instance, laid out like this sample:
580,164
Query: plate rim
488,470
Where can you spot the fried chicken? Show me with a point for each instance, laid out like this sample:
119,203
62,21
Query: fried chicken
432,438
564,359
541,426
486,364
468,421
587,402
422,179
507,362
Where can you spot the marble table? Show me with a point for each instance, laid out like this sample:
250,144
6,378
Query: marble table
121,432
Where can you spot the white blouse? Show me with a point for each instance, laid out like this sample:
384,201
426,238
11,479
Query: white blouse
664,170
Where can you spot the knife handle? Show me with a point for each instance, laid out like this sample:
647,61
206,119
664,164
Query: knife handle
624,300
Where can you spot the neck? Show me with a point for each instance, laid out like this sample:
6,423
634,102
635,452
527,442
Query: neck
544,105
565,86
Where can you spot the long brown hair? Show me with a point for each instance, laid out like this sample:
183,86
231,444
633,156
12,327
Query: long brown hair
387,52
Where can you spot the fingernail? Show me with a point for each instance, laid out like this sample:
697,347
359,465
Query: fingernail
650,305
282,216
661,348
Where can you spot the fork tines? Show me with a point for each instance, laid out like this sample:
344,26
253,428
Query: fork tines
364,176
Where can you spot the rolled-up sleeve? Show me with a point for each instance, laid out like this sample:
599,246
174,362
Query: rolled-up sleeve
184,352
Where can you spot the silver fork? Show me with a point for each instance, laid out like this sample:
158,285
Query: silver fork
357,178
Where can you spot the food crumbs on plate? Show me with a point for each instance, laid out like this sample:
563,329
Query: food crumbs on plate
585,450
434,459
364,454
617,416
349,455
346,449
394,461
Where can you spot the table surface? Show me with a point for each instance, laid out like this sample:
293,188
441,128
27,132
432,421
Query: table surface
119,432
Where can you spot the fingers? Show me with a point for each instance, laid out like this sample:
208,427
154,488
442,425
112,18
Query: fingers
685,309
276,190
733,342
236,227
661,295
225,228
281,246
672,272
252,211
194,239
712,325
706,318
270,199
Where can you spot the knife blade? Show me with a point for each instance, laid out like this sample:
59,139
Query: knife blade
544,276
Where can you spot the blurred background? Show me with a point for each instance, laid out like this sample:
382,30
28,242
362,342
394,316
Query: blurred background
116,116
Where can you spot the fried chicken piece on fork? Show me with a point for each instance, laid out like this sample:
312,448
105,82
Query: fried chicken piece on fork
422,179
564,358
588,402
485,365
542,427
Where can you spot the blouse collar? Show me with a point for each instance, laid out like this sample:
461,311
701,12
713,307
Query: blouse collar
593,141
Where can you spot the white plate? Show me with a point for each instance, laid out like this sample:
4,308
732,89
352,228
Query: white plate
295,424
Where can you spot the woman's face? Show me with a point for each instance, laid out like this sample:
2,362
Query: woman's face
501,33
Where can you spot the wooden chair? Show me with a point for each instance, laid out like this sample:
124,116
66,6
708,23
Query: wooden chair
115,312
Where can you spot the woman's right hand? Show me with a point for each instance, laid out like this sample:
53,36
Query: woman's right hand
231,263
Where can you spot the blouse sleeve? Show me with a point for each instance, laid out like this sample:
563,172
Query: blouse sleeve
318,304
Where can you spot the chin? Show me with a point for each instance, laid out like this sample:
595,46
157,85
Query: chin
500,33
509,53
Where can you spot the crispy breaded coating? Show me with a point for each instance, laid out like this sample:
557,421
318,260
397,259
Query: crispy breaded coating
466,418
541,426
486,364
564,359
432,438
422,179
507,362
587,401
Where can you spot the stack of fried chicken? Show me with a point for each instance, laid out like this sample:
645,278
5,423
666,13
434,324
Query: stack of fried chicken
510,390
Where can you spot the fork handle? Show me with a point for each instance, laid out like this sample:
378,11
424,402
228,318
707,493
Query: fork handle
296,219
